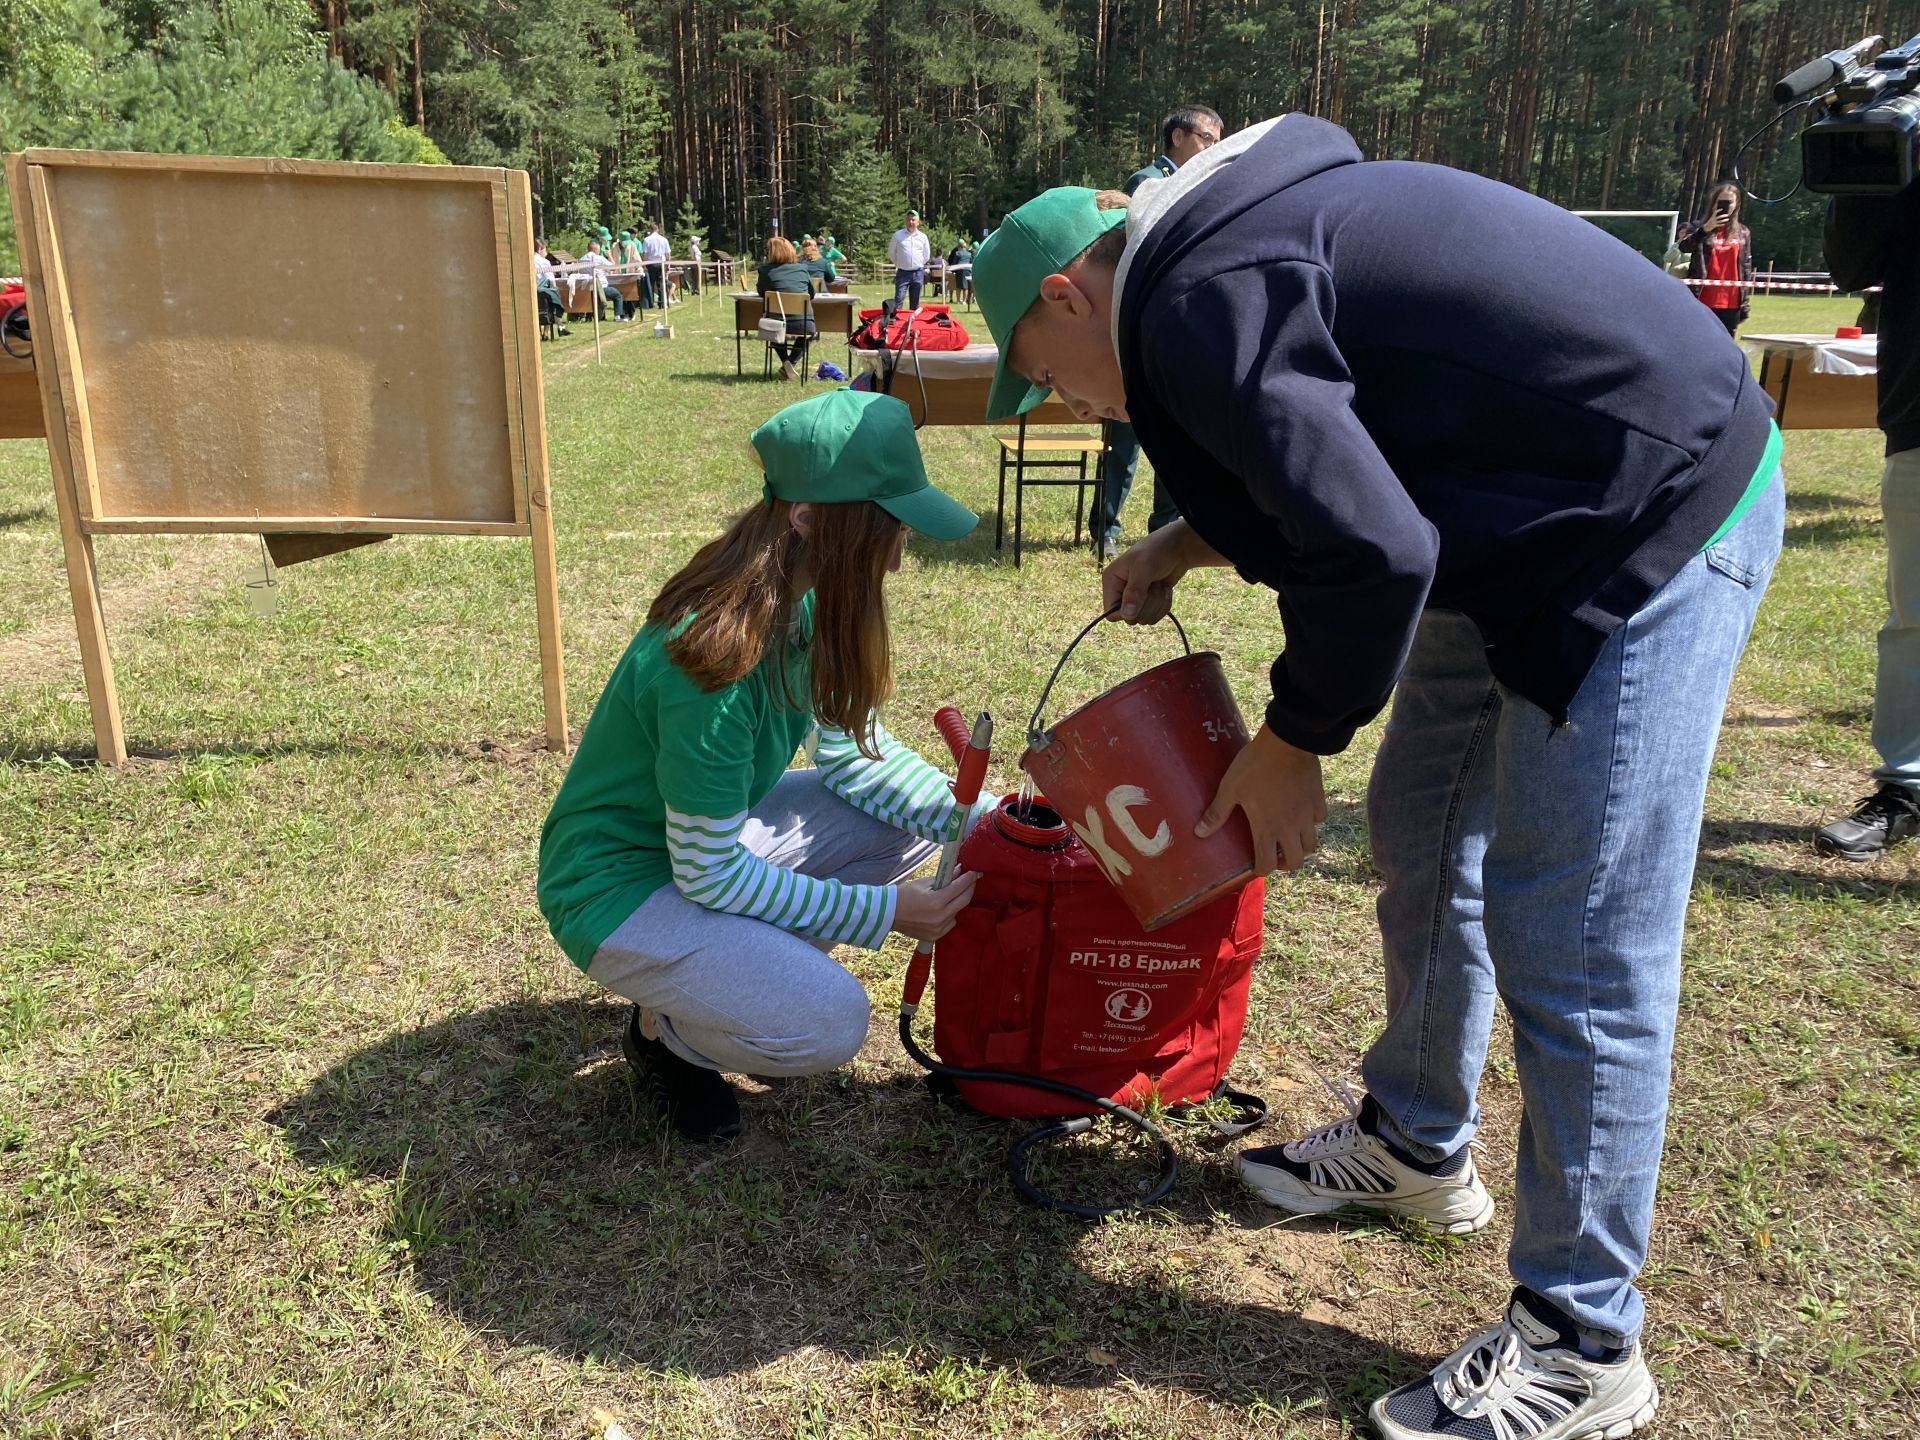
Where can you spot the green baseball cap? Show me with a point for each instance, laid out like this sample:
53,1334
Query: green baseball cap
856,445
913,214
1037,240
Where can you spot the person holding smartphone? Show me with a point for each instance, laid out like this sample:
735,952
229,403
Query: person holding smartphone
1721,269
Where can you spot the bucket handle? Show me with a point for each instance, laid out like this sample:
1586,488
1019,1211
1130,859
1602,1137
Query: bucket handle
1036,734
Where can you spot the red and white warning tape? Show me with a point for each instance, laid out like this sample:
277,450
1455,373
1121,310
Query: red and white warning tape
1760,282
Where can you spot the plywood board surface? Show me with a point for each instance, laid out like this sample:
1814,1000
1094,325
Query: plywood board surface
278,342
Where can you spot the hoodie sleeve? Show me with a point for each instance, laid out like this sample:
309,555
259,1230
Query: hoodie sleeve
1247,366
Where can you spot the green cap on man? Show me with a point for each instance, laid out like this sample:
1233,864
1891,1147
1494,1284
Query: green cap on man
856,445
1039,239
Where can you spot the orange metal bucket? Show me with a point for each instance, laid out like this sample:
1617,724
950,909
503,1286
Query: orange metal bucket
1133,770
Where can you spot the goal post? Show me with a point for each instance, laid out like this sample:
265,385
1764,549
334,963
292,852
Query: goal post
1651,232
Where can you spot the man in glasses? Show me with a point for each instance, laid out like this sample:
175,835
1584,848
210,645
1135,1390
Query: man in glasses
1185,133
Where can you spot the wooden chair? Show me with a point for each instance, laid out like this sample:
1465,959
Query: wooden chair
791,308
1023,451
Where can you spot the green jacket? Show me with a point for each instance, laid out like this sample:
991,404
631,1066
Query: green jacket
1161,169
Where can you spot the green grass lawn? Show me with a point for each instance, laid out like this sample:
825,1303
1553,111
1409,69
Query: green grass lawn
307,1128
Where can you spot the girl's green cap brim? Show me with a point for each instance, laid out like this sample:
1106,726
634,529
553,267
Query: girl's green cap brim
850,445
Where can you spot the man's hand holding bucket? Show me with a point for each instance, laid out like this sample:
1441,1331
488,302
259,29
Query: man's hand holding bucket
1275,785
1278,789
1140,582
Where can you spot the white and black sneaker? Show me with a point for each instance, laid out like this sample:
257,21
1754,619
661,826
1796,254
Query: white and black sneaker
1523,1379
1348,1166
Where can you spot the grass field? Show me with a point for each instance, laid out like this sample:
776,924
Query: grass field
307,1128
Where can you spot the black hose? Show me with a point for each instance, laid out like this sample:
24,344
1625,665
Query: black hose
1058,1130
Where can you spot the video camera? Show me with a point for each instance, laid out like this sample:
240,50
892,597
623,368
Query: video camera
1864,138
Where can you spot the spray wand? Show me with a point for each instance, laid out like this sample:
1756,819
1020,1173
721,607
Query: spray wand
971,750
970,753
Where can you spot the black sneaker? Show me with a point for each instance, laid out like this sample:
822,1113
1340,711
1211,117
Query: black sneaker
697,1101
1885,818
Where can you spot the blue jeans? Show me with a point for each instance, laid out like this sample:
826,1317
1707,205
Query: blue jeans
1552,867
1123,458
1896,689
616,299
906,287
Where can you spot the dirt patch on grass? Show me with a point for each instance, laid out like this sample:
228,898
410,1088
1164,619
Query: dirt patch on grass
47,652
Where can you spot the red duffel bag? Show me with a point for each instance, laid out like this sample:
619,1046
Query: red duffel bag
931,327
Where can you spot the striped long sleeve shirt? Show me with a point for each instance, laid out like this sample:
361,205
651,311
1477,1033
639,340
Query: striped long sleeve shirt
712,868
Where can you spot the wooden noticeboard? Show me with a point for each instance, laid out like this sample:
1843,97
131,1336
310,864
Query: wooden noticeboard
284,347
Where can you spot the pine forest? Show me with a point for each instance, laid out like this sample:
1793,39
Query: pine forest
734,116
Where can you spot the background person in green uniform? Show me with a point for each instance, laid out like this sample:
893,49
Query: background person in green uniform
960,271
784,272
683,865
1185,133
818,266
628,258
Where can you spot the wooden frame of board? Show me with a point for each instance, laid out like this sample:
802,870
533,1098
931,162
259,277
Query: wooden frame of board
284,347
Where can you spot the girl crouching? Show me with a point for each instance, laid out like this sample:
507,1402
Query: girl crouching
683,865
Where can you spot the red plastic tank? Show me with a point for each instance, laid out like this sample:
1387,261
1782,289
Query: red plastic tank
1045,973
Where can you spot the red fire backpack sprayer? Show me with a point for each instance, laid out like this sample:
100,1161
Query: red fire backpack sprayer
1107,953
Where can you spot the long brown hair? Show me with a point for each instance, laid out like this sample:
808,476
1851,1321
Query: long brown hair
737,588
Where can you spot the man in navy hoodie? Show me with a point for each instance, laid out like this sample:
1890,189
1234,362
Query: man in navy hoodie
1548,514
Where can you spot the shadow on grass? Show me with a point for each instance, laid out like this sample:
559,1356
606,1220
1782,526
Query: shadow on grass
11,518
1800,872
1822,500
977,548
1836,530
1793,719
543,1202
751,376
507,749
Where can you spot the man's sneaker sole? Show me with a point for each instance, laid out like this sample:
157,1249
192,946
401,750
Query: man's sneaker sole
1278,1188
1597,1427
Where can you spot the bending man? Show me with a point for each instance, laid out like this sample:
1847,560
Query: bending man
1549,517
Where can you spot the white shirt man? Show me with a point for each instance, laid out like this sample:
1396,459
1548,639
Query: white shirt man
909,250
600,265
655,250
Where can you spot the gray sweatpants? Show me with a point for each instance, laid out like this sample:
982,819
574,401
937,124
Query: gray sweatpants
736,994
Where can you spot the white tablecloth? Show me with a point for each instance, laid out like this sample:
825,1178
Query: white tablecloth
1830,356
976,362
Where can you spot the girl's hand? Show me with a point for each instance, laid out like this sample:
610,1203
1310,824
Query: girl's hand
921,912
